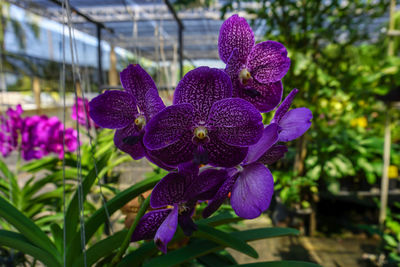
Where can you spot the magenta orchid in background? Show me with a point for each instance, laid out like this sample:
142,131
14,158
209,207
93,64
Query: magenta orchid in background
80,110
181,190
256,70
128,111
204,123
34,136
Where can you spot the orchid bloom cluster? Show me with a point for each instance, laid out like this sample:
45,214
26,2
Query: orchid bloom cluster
34,136
212,139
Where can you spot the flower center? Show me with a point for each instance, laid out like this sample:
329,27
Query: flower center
244,76
140,122
200,132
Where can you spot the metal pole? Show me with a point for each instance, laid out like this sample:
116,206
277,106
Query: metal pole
386,146
386,162
180,50
181,27
99,61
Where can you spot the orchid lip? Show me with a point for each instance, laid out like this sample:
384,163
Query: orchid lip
140,121
244,76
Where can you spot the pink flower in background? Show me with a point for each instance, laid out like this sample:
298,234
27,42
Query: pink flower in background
80,110
35,136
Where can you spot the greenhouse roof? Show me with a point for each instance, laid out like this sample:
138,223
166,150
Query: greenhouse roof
144,26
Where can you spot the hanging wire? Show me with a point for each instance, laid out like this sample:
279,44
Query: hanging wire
78,151
62,87
87,119
76,68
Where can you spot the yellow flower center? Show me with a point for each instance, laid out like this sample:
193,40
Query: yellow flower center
244,76
200,132
140,122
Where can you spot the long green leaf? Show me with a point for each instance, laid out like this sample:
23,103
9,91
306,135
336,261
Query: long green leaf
135,258
12,180
40,164
221,218
199,248
102,249
217,259
72,213
26,227
279,264
20,243
224,239
58,237
73,238
117,202
99,217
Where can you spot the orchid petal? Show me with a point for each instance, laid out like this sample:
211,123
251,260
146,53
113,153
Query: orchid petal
153,103
268,62
167,230
223,155
284,106
113,109
273,154
168,126
220,196
176,153
206,185
130,140
265,97
148,224
252,191
170,190
268,139
137,82
236,122
294,124
236,33
201,88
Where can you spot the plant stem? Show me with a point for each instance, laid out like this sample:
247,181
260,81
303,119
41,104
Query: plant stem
127,239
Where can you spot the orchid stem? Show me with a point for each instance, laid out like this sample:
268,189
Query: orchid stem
117,258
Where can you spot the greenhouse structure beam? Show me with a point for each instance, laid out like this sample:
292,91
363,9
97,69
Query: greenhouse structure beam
181,27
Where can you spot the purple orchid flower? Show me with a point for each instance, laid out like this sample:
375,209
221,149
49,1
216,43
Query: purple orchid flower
256,70
251,183
128,111
181,190
204,123
293,123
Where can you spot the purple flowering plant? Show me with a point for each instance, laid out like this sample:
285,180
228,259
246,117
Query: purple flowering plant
34,136
211,139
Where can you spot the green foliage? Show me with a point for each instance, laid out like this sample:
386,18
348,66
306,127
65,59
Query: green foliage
339,63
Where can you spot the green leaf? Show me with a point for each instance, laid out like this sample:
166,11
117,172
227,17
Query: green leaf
117,202
26,227
114,204
58,236
224,239
72,213
217,259
135,258
198,248
40,164
221,218
12,180
102,249
20,243
279,264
